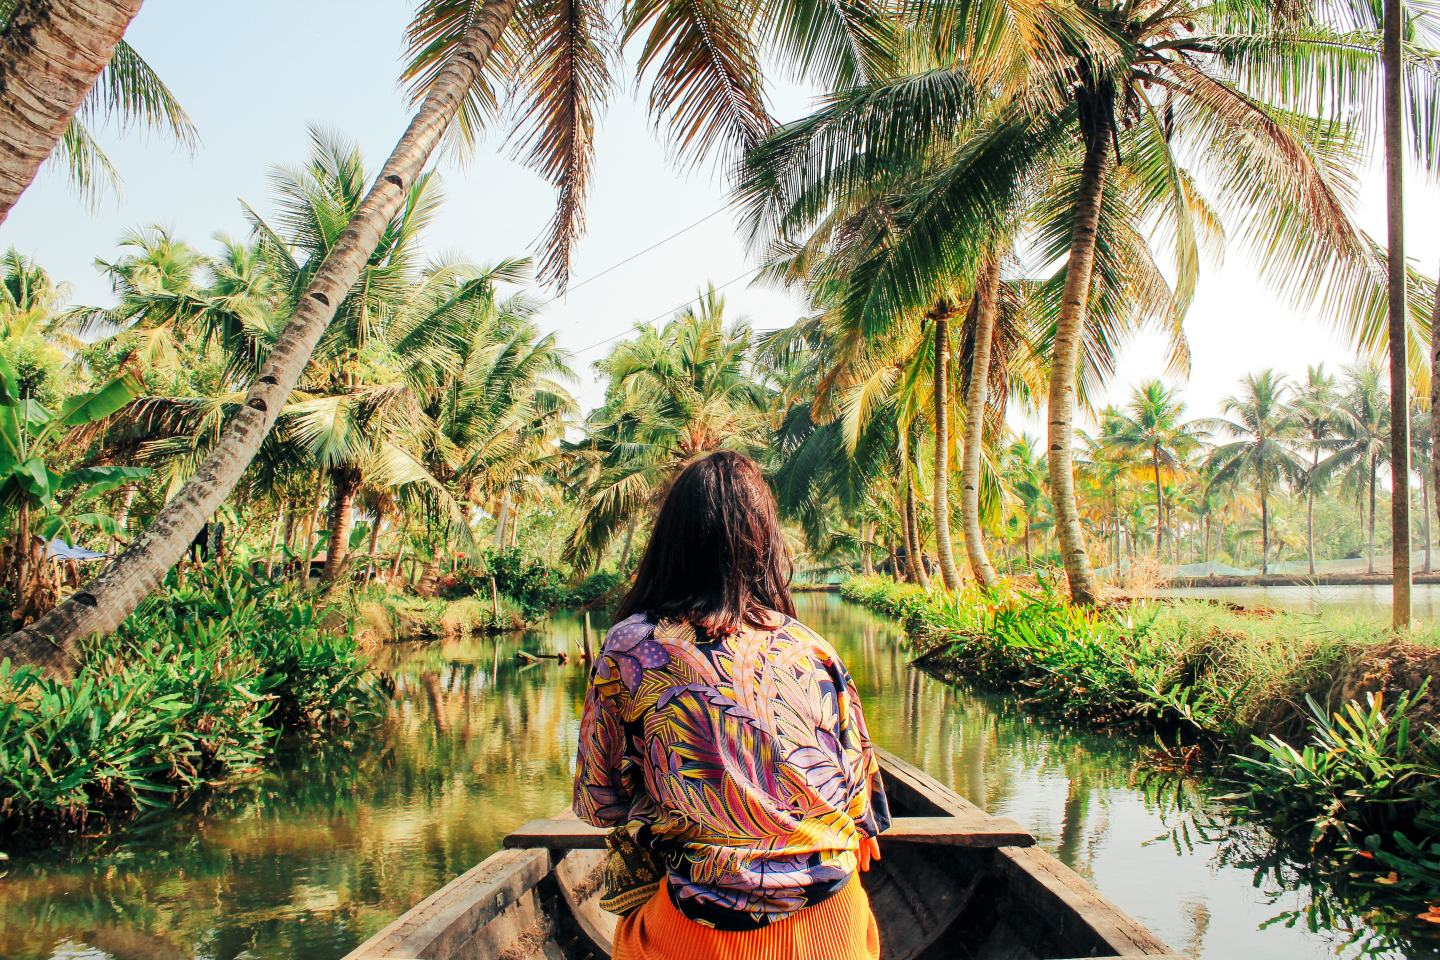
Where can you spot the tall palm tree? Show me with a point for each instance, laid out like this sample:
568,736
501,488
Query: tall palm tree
1108,460
1261,423
494,392
1313,410
1422,455
351,411
1149,89
940,318
818,472
1362,441
1155,426
1394,100
984,307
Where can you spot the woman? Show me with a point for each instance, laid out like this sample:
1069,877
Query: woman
727,738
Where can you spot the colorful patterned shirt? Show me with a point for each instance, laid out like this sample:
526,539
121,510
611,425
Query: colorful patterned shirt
743,763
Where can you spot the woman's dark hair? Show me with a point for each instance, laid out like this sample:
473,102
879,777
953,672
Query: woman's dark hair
716,557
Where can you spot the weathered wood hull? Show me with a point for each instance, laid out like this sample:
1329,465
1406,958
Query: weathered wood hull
932,901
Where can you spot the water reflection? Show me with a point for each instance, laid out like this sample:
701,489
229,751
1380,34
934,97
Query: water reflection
1371,600
320,852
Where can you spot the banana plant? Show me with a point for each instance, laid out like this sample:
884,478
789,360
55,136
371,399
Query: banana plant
41,500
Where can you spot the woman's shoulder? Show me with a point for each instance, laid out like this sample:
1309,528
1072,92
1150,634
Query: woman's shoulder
803,633
625,634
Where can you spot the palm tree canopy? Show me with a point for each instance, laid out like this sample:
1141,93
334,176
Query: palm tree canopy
1264,428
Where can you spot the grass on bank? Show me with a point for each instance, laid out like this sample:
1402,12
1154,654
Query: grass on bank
1209,673
1294,708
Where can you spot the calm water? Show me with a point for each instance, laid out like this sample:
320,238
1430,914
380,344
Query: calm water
1369,600
320,853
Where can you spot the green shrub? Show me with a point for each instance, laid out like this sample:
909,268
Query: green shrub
194,686
1365,770
602,587
1362,796
533,587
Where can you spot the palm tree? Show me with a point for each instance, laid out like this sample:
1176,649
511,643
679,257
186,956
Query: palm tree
1260,422
495,393
1024,478
353,410
1361,445
1107,460
1313,411
1155,426
818,470
51,54
983,309
1149,90
1422,455
673,393
1394,18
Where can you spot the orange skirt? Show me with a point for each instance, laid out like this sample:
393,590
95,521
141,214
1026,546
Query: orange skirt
841,927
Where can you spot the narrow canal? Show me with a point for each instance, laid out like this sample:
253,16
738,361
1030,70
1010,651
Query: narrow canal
314,856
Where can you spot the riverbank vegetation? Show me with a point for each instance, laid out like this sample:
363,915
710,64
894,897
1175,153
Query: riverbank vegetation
1322,729
196,686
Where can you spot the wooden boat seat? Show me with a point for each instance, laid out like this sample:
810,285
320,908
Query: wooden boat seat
977,830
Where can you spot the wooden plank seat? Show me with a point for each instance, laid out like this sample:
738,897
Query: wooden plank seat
974,830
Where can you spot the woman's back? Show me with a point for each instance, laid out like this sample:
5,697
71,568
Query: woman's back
727,739
742,760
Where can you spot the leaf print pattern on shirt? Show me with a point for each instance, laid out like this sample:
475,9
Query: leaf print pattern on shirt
745,761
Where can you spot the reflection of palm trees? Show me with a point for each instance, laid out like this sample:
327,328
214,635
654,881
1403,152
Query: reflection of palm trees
437,704
1198,913
1072,824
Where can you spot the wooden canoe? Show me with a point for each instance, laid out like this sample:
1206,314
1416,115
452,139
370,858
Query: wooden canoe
954,883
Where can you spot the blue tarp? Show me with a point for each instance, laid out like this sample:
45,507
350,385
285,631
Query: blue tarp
60,550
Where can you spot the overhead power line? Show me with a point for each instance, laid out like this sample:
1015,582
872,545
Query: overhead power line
635,256
661,316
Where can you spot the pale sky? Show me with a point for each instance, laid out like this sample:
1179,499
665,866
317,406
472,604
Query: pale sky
254,75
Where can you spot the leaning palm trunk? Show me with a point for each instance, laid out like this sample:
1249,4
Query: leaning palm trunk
1399,370
345,483
987,294
99,606
51,53
1065,357
944,548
